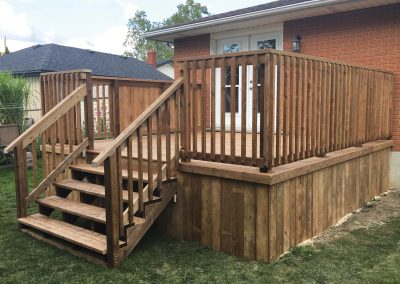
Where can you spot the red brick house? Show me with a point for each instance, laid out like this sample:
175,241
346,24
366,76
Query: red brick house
365,32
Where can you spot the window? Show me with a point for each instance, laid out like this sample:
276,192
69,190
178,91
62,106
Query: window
269,43
230,48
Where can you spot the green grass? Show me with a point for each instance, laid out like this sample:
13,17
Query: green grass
363,256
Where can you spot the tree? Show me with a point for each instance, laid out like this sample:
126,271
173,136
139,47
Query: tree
6,50
139,24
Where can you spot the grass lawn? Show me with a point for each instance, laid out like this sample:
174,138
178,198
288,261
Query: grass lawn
361,256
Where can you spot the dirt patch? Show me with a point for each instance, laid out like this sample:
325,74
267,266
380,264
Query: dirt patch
376,212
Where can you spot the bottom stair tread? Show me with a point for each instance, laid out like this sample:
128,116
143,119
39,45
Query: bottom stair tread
68,232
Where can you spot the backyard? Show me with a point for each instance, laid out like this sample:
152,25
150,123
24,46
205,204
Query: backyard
365,249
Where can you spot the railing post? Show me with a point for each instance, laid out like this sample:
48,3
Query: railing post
112,206
88,102
21,180
185,131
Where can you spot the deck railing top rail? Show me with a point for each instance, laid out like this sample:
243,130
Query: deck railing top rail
249,55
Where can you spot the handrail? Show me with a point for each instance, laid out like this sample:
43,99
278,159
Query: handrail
49,118
136,123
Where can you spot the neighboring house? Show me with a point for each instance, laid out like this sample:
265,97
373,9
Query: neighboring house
365,32
166,67
32,61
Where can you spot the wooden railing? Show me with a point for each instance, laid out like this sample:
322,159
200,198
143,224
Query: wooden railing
162,113
291,107
59,131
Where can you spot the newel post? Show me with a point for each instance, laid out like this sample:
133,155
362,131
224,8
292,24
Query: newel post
112,206
21,180
88,102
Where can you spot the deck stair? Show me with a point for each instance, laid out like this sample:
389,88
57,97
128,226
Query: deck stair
81,225
97,203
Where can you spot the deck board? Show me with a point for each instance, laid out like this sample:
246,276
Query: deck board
74,234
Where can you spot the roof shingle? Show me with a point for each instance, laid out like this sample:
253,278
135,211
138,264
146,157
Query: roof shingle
54,57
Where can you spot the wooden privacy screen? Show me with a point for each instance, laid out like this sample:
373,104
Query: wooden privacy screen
119,101
290,108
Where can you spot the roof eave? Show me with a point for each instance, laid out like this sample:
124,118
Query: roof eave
159,34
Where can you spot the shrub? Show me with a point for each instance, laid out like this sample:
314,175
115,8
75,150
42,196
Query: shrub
14,98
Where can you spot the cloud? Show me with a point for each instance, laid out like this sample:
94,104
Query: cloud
109,41
13,24
129,8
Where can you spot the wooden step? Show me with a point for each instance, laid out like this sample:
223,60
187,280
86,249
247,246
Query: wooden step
68,232
83,210
100,171
91,189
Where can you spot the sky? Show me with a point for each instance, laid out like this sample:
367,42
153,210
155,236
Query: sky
99,25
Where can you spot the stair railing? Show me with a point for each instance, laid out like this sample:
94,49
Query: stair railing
159,122
57,137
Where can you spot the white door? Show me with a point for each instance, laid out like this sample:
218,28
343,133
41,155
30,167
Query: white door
229,46
238,44
257,42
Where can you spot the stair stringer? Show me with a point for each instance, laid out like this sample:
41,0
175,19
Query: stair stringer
135,233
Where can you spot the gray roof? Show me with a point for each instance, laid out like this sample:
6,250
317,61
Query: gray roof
53,57
266,6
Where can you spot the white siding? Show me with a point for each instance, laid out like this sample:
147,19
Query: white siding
167,69
35,104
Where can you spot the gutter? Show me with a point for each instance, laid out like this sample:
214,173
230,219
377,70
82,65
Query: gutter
224,20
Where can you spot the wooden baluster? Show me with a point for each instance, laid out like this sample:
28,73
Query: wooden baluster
61,91
244,111
203,111
98,108
21,180
304,108
265,122
130,179
140,168
278,111
116,110
328,103
271,111
111,109
88,105
78,111
310,108
159,151
185,127
119,190
254,111
223,106
111,182
104,110
333,108
322,125
286,110
73,115
315,108
213,109
292,105
177,117
167,128
297,113
44,155
194,107
233,108
35,164
150,157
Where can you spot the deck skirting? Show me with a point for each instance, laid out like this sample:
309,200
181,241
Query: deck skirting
243,212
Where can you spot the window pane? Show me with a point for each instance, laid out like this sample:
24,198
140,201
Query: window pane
228,76
233,47
228,99
269,43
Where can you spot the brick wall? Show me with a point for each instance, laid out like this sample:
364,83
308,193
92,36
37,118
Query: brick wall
369,37
191,47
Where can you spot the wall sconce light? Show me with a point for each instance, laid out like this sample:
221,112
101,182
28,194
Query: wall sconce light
296,43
